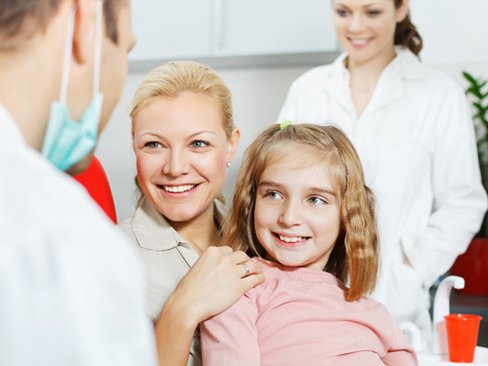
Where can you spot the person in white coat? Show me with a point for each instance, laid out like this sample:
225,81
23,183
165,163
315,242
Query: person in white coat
71,286
412,128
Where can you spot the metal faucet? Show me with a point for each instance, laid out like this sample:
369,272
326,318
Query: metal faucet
441,308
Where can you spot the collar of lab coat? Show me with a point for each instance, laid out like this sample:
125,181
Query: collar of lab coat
391,84
9,130
153,232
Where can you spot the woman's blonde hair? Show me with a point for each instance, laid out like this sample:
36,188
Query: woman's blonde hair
175,77
354,257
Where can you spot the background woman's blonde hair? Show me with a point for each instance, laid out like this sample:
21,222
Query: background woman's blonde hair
354,257
175,77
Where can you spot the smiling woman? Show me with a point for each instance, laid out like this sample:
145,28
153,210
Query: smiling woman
183,138
181,149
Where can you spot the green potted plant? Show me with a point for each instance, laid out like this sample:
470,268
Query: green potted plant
473,265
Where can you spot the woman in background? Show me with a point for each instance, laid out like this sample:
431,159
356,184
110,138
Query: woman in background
412,129
184,138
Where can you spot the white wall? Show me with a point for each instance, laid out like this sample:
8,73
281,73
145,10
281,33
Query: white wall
456,38
454,31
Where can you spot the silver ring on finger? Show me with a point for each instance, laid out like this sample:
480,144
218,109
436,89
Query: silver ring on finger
246,268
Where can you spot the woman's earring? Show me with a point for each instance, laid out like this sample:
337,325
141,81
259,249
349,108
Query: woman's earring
228,164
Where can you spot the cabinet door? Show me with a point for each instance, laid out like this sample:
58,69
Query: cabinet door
458,34
171,29
266,27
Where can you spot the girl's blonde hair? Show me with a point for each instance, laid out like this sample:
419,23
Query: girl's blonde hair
175,77
354,257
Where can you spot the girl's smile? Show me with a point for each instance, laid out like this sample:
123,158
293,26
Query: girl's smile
290,240
296,217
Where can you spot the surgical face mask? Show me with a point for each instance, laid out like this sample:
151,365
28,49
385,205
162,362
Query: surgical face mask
68,141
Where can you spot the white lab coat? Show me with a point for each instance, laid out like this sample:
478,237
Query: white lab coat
417,146
71,287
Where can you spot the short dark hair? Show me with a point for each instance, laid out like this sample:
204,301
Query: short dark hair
111,9
25,16
22,18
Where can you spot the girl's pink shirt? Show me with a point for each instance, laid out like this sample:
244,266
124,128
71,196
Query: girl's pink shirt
299,316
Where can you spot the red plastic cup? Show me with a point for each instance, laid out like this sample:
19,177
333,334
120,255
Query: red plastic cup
462,336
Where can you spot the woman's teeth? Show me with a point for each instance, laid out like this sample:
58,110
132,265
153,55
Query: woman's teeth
178,189
359,42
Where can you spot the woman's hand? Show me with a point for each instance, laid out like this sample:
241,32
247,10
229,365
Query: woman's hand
216,280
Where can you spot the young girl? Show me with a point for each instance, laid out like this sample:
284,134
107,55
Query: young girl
302,208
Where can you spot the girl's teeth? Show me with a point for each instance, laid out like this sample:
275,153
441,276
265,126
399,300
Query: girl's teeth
178,189
289,239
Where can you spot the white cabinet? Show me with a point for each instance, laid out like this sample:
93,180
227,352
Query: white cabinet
170,29
213,28
260,27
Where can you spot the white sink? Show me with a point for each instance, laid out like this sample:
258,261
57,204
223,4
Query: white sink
480,358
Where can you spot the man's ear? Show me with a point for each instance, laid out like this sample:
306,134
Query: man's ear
82,32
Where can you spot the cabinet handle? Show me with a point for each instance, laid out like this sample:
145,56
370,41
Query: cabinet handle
219,24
